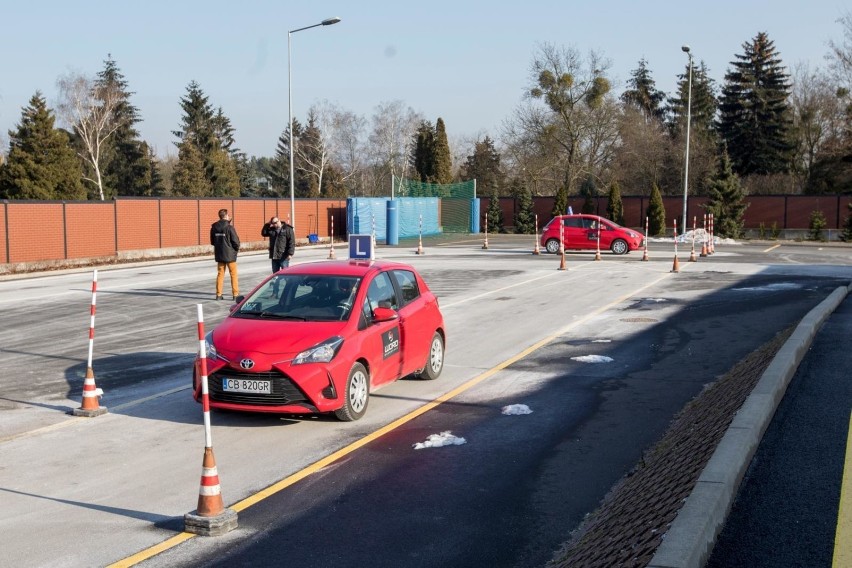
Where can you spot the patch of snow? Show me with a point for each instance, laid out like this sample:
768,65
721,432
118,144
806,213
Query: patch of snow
516,409
437,440
602,341
771,287
593,359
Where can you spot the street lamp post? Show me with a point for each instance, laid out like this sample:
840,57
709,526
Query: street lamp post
326,22
685,48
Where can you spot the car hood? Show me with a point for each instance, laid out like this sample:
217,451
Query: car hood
270,337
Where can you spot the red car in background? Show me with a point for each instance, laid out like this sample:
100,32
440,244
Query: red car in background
319,337
580,232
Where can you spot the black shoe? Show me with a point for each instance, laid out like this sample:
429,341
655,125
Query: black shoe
220,297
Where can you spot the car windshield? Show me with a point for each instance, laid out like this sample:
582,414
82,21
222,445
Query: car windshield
302,297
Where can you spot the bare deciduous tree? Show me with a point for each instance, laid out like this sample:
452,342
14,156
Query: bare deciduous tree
393,128
88,108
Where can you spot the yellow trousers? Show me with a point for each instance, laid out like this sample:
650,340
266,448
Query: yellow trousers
220,278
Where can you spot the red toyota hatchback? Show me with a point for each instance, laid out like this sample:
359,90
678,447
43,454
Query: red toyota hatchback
580,232
319,337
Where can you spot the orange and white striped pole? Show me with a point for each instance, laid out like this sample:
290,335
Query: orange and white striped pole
420,237
598,246
485,244
536,250
561,246
331,240
711,248
692,257
210,518
645,254
90,406
704,242
676,264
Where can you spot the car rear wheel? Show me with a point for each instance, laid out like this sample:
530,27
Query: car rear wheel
356,396
552,246
619,246
435,363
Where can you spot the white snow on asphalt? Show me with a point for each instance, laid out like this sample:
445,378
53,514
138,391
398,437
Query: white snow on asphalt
592,359
602,341
437,440
774,287
516,409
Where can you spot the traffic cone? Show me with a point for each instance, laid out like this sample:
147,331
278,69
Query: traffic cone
692,257
562,261
91,395
211,518
703,249
331,250
675,265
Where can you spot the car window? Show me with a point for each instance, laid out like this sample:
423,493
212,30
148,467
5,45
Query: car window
407,285
590,223
574,222
382,293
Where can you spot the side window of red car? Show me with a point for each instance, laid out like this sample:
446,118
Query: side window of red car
407,285
574,222
381,293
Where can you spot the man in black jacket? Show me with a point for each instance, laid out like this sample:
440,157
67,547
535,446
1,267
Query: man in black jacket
226,245
282,243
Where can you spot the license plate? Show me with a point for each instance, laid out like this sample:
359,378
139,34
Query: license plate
247,385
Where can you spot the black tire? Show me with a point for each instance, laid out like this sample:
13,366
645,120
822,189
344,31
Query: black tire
435,361
552,246
357,395
619,246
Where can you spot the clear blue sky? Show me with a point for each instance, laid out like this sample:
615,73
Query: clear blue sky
464,61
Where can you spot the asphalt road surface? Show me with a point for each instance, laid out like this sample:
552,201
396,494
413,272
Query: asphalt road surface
95,491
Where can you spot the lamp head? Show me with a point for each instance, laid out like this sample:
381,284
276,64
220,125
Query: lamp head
329,21
685,48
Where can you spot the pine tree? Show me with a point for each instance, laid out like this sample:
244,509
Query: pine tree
846,235
703,102
189,178
443,173
656,213
727,200
422,159
525,218
41,163
484,166
615,207
755,121
560,205
224,178
588,191
495,214
642,93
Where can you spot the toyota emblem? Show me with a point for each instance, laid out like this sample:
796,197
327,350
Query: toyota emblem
246,363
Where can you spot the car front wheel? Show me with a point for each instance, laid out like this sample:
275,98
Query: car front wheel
356,396
435,363
619,246
552,246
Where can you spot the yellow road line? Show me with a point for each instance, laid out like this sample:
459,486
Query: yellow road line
772,248
843,537
333,457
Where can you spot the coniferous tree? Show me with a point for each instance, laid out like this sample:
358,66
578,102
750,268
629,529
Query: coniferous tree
703,102
41,163
189,178
588,191
443,173
846,235
642,93
525,218
656,213
615,207
495,213
727,200
423,156
484,166
560,205
278,170
755,120
224,179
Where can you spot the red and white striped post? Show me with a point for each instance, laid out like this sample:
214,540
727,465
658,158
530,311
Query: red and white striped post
210,518
536,250
598,245
331,240
645,253
711,248
676,264
692,257
420,237
485,244
704,242
91,394
561,246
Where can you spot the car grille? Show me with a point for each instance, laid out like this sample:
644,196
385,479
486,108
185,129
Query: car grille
284,390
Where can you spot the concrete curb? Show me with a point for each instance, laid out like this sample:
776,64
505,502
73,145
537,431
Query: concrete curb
690,539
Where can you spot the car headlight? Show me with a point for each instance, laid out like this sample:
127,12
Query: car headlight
209,347
321,352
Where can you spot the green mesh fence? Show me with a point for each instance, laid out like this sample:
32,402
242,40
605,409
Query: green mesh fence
456,200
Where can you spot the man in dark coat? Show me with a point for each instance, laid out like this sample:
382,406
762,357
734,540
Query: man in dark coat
226,245
282,243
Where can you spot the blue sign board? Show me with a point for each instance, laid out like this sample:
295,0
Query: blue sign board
361,247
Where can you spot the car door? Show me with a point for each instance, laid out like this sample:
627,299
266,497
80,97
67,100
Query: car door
381,340
416,321
574,234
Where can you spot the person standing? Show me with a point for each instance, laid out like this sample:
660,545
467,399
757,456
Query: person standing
282,242
226,245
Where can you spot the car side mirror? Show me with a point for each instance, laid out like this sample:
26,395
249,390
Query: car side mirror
384,314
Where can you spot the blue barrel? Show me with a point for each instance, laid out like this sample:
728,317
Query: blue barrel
392,234
474,215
